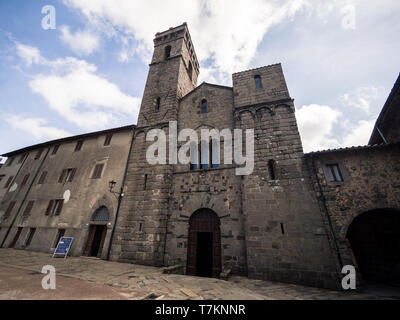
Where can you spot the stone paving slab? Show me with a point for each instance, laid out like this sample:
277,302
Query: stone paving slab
145,282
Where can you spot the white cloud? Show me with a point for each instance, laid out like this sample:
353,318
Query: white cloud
81,42
315,124
29,54
72,88
364,98
35,127
359,134
227,31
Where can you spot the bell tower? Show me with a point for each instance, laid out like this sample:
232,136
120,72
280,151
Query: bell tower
141,228
173,73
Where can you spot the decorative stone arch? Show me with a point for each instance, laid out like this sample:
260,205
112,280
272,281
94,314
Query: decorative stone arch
259,113
204,244
238,114
106,202
285,105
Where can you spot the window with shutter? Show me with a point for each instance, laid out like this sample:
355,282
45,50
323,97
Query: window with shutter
42,177
28,208
9,209
58,207
98,171
108,140
78,146
49,207
38,154
23,183
55,149
63,173
8,182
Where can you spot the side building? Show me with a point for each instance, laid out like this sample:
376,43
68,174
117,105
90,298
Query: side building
62,189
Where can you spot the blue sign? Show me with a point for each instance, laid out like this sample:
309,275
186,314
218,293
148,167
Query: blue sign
63,246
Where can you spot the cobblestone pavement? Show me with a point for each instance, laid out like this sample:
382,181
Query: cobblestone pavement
142,282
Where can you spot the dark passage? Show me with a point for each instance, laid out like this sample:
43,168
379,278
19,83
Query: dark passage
204,254
375,239
98,235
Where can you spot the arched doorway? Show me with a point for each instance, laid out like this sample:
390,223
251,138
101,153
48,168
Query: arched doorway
374,237
204,244
97,233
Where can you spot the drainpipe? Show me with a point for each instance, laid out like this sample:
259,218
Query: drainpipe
121,195
25,196
326,211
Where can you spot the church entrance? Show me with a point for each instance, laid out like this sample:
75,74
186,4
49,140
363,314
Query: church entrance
204,244
97,233
374,237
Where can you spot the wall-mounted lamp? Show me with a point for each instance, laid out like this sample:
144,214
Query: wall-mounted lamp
111,185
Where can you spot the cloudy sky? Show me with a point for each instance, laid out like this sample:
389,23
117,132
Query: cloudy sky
340,59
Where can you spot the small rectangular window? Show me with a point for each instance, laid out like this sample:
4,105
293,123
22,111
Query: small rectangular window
28,208
67,175
108,140
79,145
98,169
54,208
9,209
8,182
42,177
38,154
257,81
55,149
25,180
30,237
145,182
334,173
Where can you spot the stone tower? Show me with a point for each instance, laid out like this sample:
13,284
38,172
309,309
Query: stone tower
141,228
286,238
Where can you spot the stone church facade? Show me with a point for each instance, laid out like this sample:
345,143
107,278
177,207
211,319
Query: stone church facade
287,221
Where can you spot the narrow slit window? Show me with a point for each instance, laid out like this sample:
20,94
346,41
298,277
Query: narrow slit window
258,82
145,182
204,106
190,70
42,177
282,228
167,52
9,209
271,169
158,104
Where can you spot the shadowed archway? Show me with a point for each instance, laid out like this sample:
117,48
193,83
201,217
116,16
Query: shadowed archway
204,244
97,233
374,237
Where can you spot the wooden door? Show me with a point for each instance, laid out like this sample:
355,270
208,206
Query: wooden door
204,221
